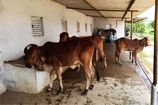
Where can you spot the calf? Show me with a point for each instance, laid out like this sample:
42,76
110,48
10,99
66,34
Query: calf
52,56
134,45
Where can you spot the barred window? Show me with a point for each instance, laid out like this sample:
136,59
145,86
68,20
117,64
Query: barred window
37,26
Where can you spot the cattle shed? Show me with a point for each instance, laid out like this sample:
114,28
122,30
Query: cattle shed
24,22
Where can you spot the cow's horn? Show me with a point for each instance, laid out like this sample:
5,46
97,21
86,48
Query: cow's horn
27,48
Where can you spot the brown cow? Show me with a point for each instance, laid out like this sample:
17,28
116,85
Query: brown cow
64,36
52,56
134,45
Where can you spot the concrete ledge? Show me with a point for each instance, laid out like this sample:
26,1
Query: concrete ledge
2,88
22,79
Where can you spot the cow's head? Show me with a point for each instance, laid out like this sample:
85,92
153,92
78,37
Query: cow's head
33,56
145,41
64,36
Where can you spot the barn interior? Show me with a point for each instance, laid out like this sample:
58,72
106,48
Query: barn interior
119,85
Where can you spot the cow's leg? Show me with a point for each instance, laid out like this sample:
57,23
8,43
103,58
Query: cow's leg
52,75
134,60
52,78
50,84
134,55
59,77
117,57
88,78
99,53
119,53
104,60
92,77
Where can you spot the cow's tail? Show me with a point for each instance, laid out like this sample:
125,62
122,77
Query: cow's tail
94,63
97,74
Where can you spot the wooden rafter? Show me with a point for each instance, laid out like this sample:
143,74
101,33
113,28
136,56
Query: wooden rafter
128,8
93,8
135,20
104,17
88,9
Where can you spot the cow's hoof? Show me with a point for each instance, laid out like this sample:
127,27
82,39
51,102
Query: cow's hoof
91,87
84,93
61,91
48,90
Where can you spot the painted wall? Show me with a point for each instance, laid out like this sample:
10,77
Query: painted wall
117,24
16,33
15,24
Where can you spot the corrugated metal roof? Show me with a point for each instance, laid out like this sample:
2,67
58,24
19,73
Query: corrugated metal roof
107,8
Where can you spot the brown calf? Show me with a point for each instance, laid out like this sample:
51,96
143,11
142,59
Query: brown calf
134,45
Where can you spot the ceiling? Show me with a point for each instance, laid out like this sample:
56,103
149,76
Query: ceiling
108,8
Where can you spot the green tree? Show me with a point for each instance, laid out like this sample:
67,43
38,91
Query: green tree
139,27
151,24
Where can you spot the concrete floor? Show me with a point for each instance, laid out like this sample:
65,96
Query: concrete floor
119,85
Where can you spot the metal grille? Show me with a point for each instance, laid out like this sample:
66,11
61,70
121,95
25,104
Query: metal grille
37,26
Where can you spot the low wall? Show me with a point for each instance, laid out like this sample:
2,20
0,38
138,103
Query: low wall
22,79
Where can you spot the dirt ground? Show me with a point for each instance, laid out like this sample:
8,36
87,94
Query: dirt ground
119,85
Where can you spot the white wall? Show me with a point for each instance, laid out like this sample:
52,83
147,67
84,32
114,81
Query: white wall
117,24
15,24
16,33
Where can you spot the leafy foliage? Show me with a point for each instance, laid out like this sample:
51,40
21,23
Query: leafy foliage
138,27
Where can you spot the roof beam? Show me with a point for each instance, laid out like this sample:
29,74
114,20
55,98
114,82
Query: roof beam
101,9
135,20
104,17
81,8
128,8
93,8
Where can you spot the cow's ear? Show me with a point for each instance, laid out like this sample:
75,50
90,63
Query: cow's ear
40,54
143,42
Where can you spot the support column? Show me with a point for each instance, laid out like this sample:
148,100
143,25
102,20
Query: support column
153,87
155,45
131,33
